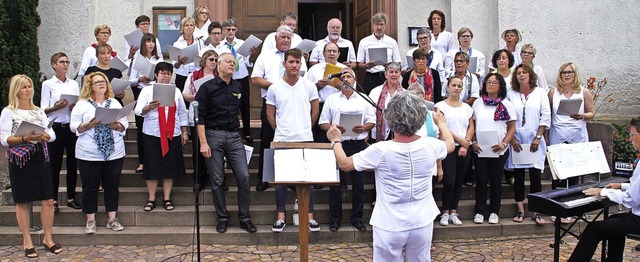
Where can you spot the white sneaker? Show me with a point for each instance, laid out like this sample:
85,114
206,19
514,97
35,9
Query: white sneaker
90,228
115,225
444,220
454,219
314,226
278,226
478,219
494,219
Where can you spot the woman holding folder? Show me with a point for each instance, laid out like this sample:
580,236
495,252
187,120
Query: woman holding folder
494,118
99,149
426,77
103,53
187,38
528,144
28,160
165,132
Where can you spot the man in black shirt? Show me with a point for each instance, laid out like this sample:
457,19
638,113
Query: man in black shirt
218,125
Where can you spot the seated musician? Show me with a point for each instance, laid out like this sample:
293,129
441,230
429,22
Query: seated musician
616,227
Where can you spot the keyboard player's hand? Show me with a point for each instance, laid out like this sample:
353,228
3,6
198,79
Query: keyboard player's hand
592,191
613,185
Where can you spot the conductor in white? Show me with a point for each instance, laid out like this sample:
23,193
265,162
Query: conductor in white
402,218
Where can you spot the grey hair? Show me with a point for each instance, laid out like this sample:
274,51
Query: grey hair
415,87
392,65
379,17
229,22
422,31
530,46
284,28
405,113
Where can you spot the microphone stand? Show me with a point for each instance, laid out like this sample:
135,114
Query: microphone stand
364,96
194,139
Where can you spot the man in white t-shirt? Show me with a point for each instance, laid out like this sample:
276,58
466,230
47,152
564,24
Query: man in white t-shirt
334,27
292,108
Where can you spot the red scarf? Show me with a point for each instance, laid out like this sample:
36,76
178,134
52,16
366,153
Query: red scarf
427,85
113,53
197,75
380,122
167,125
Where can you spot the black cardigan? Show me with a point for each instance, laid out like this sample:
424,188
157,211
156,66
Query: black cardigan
437,84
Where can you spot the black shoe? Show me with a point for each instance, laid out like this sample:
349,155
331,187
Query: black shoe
317,187
359,226
248,226
56,209
222,226
262,186
73,204
334,226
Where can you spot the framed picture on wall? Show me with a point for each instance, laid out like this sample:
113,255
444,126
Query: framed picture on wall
166,24
413,35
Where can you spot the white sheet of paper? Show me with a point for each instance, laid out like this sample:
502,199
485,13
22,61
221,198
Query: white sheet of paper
245,48
525,156
144,66
196,60
201,81
190,51
288,165
133,38
378,55
26,128
106,115
571,160
410,62
118,85
569,107
320,165
174,52
117,63
164,93
126,110
486,139
71,99
473,65
306,45
348,121
248,150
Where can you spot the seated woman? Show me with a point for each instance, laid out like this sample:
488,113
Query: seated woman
99,149
403,217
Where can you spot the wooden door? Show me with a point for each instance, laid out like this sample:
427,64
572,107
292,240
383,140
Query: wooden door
362,12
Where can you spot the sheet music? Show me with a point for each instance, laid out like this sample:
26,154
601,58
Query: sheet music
110,115
248,150
344,54
117,63
306,45
525,156
245,48
201,81
473,65
320,165
378,55
164,93
569,107
288,164
305,165
133,38
410,63
71,99
144,66
330,69
571,160
348,121
26,128
118,85
486,139
190,52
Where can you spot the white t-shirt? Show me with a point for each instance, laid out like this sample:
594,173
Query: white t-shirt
268,66
457,117
404,171
86,147
470,87
338,103
151,125
393,53
202,32
52,88
270,41
293,109
443,43
316,73
483,116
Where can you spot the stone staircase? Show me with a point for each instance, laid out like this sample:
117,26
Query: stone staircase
160,227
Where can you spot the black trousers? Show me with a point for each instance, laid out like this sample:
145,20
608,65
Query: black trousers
266,136
455,169
139,122
92,174
489,169
65,140
244,106
201,174
614,229
350,147
518,184
319,135
372,80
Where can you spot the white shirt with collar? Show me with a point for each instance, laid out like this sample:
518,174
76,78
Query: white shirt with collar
317,53
269,42
243,62
127,47
628,194
338,103
436,63
293,109
268,66
393,53
50,94
444,43
316,73
450,67
202,32
134,74
151,126
86,147
185,69
220,49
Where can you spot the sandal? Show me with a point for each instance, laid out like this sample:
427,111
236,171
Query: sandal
168,205
519,217
150,205
56,249
140,169
30,252
538,219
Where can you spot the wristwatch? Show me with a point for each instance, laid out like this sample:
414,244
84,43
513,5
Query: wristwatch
333,143
539,137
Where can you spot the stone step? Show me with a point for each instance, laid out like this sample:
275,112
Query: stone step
185,235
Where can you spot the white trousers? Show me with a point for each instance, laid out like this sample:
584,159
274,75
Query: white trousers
416,244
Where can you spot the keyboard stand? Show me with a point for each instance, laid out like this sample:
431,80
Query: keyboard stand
561,232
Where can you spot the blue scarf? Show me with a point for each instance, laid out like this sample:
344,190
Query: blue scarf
102,134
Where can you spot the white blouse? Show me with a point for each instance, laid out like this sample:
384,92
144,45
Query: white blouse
151,126
86,147
10,120
535,111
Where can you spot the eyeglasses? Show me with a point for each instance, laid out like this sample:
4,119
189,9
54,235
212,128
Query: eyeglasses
215,33
229,61
104,33
567,73
332,51
459,61
335,27
99,82
231,29
204,13
527,53
64,62
212,59
493,82
423,38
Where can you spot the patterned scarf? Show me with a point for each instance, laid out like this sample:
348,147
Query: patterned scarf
380,122
102,134
428,83
20,154
501,112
